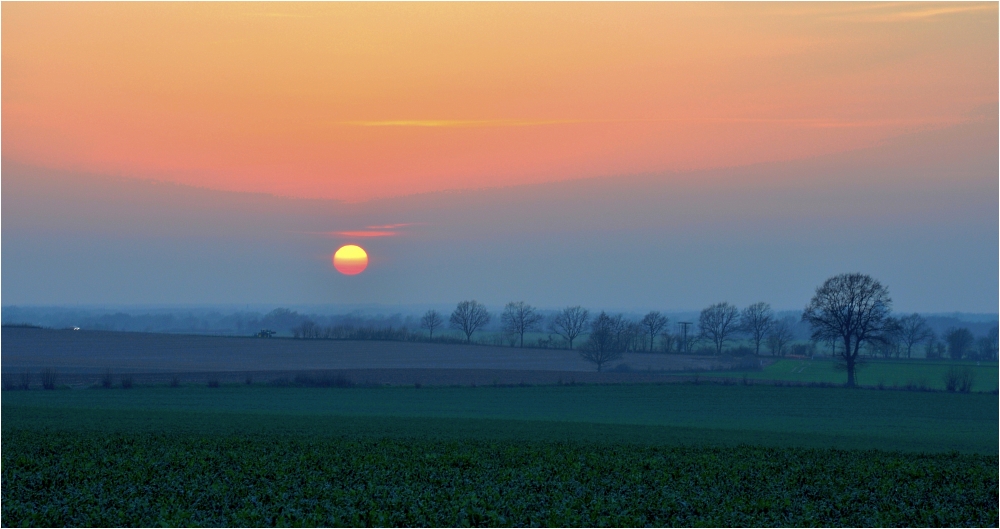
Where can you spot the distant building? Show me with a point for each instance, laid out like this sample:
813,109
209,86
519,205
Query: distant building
265,333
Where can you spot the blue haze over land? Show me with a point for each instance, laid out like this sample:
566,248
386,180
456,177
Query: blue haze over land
919,213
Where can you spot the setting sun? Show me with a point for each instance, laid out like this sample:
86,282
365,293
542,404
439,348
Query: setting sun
350,259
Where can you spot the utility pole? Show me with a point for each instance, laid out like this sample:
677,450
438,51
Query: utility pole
684,327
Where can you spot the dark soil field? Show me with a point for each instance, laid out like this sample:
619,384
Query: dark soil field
82,357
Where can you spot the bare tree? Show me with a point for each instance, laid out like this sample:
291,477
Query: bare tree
430,321
602,345
626,333
851,307
993,345
631,334
652,323
468,317
308,330
933,349
570,323
888,343
959,342
755,321
913,330
984,348
718,323
683,340
669,342
779,335
518,318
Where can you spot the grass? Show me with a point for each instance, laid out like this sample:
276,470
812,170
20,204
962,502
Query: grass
674,413
872,372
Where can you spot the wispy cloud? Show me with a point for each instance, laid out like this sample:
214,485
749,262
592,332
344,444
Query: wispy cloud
793,122
389,226
821,123
463,123
273,14
898,12
381,230
365,233
938,11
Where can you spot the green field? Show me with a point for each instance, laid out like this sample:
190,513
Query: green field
679,454
889,373
150,480
778,416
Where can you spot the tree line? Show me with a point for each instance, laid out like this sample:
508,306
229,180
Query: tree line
850,316
852,313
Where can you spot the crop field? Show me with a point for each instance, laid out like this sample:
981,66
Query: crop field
153,480
93,352
810,417
460,451
82,357
570,456
621,455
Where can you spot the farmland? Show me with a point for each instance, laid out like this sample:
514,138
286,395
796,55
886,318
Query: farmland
151,480
809,417
872,372
82,357
474,444
676,454
92,352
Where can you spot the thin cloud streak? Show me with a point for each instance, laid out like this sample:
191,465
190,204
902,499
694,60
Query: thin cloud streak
921,12
350,233
389,226
793,122
380,230
365,233
462,123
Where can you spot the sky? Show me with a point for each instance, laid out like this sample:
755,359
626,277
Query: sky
661,155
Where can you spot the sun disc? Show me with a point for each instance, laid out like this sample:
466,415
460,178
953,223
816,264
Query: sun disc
350,259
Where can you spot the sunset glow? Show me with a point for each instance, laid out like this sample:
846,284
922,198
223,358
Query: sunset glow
354,101
350,260
616,154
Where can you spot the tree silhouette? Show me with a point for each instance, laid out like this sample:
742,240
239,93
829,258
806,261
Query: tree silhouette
570,323
653,323
468,317
756,320
603,342
959,342
779,335
431,320
718,323
913,330
518,317
853,308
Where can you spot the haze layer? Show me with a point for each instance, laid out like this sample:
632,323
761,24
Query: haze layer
650,155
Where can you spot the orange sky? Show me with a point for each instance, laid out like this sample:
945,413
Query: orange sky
354,101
